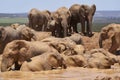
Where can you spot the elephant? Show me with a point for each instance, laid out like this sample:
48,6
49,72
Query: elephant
7,34
54,24
29,34
46,61
77,38
110,32
75,61
37,19
18,51
82,14
100,58
65,45
65,16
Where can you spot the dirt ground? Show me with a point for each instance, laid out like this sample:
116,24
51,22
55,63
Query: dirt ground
72,73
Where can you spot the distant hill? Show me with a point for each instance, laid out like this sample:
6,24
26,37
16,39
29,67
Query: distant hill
97,14
12,15
107,14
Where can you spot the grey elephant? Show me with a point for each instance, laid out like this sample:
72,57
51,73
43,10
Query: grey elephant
54,24
110,32
37,19
46,61
82,14
60,22
18,51
65,16
7,34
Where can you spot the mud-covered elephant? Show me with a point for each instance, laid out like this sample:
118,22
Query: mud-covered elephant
75,61
110,32
7,34
29,34
38,19
18,51
82,14
46,61
100,58
65,16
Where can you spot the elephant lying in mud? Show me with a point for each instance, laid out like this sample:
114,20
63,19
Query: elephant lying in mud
111,32
29,34
18,51
46,61
75,61
100,58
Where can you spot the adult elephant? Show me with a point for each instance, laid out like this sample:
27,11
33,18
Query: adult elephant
29,34
7,34
37,19
54,25
110,32
46,61
65,16
18,51
82,14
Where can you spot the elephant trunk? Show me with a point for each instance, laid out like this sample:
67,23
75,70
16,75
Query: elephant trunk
6,63
100,41
65,27
89,26
3,65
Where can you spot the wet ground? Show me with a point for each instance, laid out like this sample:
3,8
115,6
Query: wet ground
73,73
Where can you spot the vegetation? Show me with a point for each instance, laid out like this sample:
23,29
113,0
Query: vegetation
8,21
98,22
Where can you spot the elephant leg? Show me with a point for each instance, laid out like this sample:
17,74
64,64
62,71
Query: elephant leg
65,31
75,28
83,27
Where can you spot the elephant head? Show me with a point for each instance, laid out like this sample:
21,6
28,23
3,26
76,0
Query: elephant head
87,13
3,34
26,33
57,59
111,32
14,52
106,33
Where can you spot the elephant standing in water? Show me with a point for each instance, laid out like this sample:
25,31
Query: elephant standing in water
111,32
83,14
38,19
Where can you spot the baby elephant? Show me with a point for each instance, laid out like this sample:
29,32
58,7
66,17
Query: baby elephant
46,61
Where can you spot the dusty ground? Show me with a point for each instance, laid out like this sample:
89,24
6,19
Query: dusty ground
74,73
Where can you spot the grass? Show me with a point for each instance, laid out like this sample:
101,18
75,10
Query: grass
97,25
8,21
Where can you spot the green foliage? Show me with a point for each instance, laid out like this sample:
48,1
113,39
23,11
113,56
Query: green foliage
8,21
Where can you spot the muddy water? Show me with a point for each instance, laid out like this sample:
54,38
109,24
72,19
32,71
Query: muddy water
75,73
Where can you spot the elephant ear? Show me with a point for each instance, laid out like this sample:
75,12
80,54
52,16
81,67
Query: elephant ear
23,49
93,9
3,34
110,32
